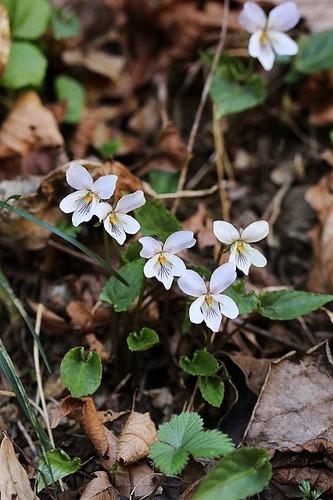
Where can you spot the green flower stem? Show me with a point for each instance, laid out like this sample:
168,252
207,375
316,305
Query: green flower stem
139,304
223,249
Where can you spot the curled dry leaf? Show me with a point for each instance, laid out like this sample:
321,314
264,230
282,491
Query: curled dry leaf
135,481
14,481
28,126
4,38
135,440
201,224
99,488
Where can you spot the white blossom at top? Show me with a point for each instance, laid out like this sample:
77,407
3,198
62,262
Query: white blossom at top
88,194
268,37
163,264
210,304
241,253
116,221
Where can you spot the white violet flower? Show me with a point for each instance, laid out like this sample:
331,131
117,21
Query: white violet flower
268,37
116,221
163,264
210,304
241,253
88,194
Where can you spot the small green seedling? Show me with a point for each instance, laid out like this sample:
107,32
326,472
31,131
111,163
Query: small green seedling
308,493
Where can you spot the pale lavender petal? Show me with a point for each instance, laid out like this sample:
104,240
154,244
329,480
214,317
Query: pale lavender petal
151,267
78,177
212,315
195,312
178,241
283,17
222,277
225,232
260,47
102,210
117,232
128,223
192,284
150,247
104,186
282,44
256,257
255,231
71,201
177,265
228,306
252,17
130,202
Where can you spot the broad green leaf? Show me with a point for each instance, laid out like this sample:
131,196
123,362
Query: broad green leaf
315,52
168,459
240,474
246,302
72,93
109,148
29,19
156,220
290,304
143,340
163,181
60,464
65,24
121,296
212,389
232,96
202,363
26,66
132,252
81,375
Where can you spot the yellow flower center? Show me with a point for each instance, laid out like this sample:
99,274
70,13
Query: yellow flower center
240,246
89,198
208,299
112,218
161,259
263,37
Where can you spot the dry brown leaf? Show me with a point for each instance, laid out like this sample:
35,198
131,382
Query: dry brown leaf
95,345
255,370
14,481
79,313
135,440
4,38
201,224
135,481
99,488
29,126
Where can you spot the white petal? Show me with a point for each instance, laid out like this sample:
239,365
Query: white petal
162,273
228,306
262,50
84,211
117,232
192,284
127,223
225,232
255,231
130,202
241,260
222,277
104,186
195,312
78,177
102,210
212,315
151,267
71,201
283,17
256,257
165,276
282,44
177,265
179,241
252,17
150,247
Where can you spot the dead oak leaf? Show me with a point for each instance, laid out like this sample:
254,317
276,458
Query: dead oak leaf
99,488
135,481
135,440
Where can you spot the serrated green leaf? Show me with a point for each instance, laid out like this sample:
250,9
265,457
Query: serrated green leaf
163,181
156,220
61,465
81,376
212,389
26,66
168,459
180,429
290,304
240,474
202,363
28,18
209,444
246,302
143,340
72,93
120,296
315,52
65,24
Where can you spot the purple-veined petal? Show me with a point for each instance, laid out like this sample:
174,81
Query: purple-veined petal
71,201
102,210
195,312
117,232
256,257
151,267
84,211
260,47
228,306
165,276
178,241
192,284
212,315
177,265
150,247
104,186
130,202
283,17
78,177
225,232
252,17
255,231
222,277
282,44
240,260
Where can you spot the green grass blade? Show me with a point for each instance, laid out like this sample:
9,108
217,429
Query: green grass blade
66,237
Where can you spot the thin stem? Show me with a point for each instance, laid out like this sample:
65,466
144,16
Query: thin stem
157,485
223,249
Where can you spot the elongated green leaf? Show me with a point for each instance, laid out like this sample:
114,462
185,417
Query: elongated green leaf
246,302
57,466
212,389
28,18
81,375
156,220
202,363
290,304
65,237
143,340
26,66
72,93
315,52
240,474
